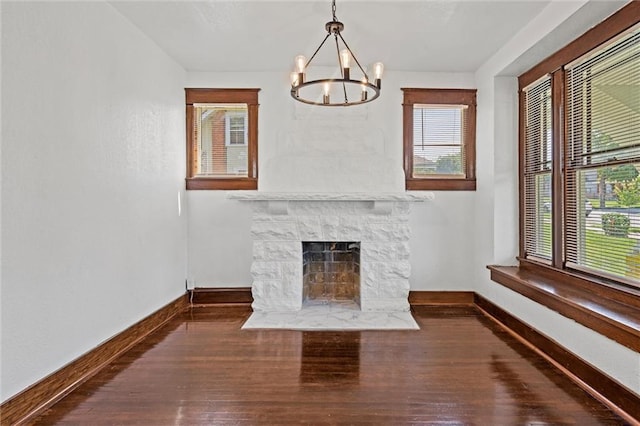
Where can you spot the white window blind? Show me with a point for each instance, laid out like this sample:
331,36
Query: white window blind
438,146
602,226
537,169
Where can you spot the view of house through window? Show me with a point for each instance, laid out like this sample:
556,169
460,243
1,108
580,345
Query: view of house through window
221,138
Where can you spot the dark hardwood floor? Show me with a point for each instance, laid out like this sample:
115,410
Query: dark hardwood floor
461,368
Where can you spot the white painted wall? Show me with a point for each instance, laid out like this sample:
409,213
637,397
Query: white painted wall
496,225
219,238
92,167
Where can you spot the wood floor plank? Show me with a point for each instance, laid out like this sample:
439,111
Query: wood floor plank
201,369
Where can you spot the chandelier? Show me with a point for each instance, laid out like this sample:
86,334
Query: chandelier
335,91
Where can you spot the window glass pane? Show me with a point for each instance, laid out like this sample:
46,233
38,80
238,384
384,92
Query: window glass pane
537,179
438,147
221,132
538,215
604,96
437,160
606,236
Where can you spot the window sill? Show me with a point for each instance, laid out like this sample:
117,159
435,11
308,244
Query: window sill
222,184
442,184
607,309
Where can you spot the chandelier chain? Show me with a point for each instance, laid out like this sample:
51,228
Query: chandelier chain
333,10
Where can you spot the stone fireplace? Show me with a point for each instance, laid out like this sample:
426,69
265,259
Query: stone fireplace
376,223
331,177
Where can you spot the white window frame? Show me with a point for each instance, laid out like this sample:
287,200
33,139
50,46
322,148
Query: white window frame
227,127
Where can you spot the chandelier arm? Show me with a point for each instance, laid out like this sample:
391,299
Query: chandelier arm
344,87
354,57
317,50
335,36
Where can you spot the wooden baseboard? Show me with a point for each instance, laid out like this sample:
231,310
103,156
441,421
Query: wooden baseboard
242,295
421,298
221,296
594,381
41,395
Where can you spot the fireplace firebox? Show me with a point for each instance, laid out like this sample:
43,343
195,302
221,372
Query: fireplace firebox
331,273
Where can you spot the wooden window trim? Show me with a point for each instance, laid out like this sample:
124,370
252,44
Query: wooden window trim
604,305
620,21
440,96
245,96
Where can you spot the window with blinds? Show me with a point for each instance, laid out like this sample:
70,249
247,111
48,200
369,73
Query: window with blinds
537,169
439,138
438,148
602,179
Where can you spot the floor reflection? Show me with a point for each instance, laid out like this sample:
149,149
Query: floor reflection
532,405
330,357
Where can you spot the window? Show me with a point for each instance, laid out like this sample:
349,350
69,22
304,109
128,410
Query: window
537,169
603,159
236,127
580,161
222,138
439,139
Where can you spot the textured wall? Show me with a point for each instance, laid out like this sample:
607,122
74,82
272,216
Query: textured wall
92,168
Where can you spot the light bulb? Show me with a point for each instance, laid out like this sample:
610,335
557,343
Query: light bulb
364,84
378,69
301,62
345,57
325,98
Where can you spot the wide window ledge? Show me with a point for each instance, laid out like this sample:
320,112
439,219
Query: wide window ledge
222,183
613,311
444,184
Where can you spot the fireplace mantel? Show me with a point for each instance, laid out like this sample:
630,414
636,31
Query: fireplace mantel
381,202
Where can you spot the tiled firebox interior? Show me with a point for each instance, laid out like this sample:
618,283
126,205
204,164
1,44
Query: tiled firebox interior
331,273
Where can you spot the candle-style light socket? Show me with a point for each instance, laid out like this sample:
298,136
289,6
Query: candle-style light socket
300,78
346,72
364,95
325,99
378,83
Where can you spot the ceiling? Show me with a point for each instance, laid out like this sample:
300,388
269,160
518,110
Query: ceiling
265,35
